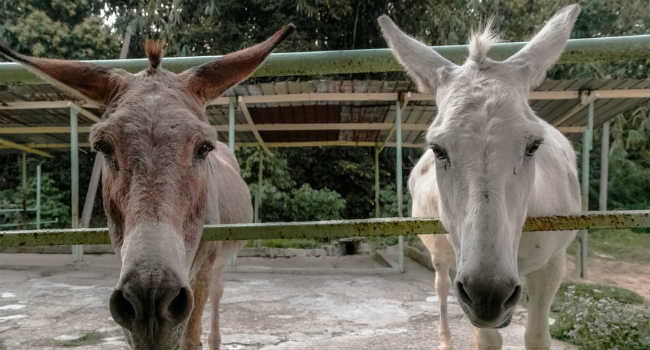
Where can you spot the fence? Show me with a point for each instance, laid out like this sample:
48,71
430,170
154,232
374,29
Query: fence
338,62
333,229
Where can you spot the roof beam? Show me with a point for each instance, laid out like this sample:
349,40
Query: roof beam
41,130
585,99
12,145
392,96
622,93
22,130
344,96
334,143
249,120
42,105
84,112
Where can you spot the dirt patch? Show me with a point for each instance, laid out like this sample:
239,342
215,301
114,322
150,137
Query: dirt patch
68,307
635,277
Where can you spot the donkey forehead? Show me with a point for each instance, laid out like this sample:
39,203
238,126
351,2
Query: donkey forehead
484,109
140,120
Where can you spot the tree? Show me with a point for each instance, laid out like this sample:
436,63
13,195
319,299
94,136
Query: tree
59,28
77,29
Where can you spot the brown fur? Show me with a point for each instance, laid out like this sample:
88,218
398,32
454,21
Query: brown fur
158,191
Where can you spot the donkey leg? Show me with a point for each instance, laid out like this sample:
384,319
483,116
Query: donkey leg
216,294
487,338
542,286
201,289
442,289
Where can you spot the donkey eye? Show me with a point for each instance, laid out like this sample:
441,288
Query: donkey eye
104,147
441,153
203,149
532,148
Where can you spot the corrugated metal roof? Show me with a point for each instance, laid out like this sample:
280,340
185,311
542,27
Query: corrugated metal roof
416,112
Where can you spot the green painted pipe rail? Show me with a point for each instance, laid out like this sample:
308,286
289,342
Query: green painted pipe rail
370,60
333,229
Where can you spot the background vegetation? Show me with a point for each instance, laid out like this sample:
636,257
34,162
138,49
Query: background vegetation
332,183
317,183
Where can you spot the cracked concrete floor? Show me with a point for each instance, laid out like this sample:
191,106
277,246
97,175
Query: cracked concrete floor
46,303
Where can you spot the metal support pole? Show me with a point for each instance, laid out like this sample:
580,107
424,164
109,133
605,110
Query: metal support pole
23,190
398,176
77,250
587,139
604,167
38,196
23,165
258,195
369,60
231,123
89,201
377,208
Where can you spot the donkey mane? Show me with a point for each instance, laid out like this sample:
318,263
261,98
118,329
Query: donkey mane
480,43
154,51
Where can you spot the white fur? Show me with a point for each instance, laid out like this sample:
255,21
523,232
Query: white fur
489,186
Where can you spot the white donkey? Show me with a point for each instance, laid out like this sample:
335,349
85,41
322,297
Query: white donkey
492,162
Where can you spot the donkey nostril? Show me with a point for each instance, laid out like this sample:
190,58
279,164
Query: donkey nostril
179,308
121,308
462,294
513,298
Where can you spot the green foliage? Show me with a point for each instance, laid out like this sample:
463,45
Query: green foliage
594,291
629,162
281,200
388,202
599,317
302,181
311,204
67,29
53,206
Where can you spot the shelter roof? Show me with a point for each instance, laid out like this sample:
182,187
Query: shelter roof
313,112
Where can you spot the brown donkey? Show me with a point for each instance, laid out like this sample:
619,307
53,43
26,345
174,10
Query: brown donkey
165,175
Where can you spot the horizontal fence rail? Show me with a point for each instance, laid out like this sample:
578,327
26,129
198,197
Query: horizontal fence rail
333,229
368,60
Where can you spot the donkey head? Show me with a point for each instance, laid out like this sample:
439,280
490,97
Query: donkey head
484,138
156,143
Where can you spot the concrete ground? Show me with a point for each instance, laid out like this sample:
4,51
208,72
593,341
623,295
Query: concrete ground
47,303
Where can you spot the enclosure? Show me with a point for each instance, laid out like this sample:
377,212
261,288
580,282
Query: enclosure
308,298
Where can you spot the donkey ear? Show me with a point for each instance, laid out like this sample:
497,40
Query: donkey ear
210,80
546,46
80,79
422,63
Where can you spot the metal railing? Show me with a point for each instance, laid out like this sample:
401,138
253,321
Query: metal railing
368,60
333,229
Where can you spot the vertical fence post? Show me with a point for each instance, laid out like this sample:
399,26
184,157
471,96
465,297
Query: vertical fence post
38,196
587,139
604,167
231,124
77,250
23,190
377,208
398,175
